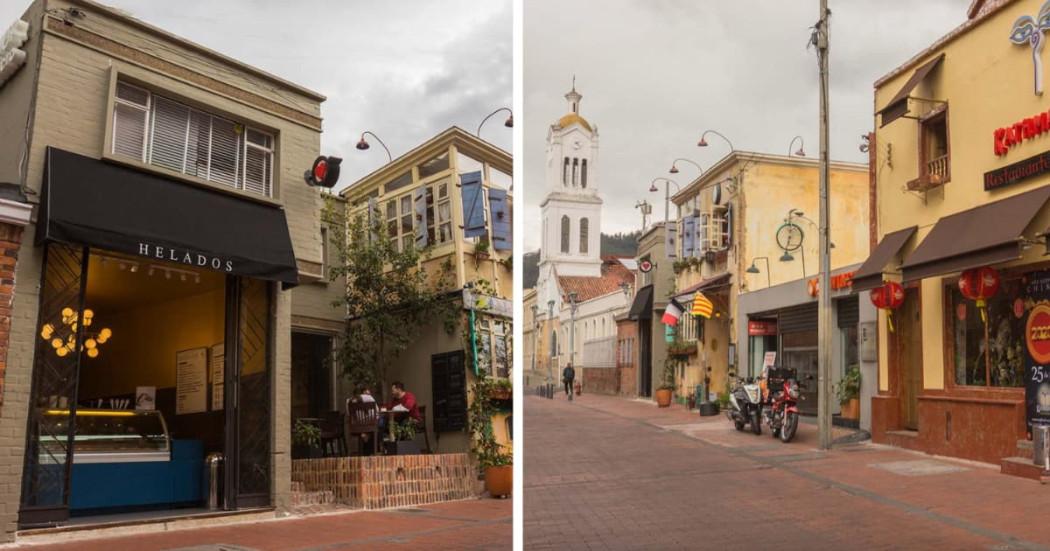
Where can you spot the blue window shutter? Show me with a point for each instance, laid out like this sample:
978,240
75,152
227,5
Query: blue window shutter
473,204
688,236
670,243
419,205
501,231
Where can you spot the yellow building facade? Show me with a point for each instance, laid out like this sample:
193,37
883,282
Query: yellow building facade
960,174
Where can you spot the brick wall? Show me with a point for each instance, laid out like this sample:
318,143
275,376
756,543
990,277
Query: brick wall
10,240
381,482
601,380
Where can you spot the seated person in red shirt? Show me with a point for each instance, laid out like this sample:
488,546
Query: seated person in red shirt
403,398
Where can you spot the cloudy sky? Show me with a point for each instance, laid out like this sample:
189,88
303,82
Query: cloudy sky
655,74
405,70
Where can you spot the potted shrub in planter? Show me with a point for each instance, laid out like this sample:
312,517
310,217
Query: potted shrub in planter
848,392
306,440
494,459
404,439
501,389
665,391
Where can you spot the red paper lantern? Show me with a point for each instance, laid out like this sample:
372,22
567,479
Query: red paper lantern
979,285
889,297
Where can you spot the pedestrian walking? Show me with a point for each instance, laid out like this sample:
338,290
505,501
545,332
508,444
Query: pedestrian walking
568,376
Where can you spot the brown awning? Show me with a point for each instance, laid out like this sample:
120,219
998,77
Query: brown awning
720,280
869,275
985,235
898,106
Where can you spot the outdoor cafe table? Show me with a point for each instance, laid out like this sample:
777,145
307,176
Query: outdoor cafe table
391,418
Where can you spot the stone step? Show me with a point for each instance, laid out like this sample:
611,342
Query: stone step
1023,467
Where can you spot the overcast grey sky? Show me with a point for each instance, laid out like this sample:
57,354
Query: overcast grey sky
655,74
405,70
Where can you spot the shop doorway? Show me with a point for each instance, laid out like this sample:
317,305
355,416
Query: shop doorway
135,385
312,375
800,354
645,357
908,336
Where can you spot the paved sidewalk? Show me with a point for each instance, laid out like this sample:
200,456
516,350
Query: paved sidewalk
462,525
610,473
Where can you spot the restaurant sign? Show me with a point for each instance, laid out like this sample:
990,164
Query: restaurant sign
1017,172
183,256
838,282
761,328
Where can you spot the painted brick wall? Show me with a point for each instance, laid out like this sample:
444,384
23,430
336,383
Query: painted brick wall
10,240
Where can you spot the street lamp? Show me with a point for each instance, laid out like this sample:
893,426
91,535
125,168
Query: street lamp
674,168
667,194
572,329
554,340
801,146
363,145
754,269
535,334
703,140
509,123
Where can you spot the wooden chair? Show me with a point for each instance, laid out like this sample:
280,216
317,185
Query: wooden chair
363,418
422,425
333,434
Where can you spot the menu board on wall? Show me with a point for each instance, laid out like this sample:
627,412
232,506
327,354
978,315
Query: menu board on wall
191,381
218,375
1037,348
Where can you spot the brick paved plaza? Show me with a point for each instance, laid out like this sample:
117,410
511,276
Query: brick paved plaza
611,473
461,525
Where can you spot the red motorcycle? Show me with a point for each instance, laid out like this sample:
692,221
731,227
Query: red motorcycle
781,412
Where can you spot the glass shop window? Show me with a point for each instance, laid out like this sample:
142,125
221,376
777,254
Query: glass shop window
995,357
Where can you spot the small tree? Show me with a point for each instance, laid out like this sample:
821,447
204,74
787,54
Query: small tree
389,296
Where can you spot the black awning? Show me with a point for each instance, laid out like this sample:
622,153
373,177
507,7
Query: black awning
642,307
988,234
86,201
869,275
898,106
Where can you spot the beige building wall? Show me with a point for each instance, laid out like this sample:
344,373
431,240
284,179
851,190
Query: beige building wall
79,63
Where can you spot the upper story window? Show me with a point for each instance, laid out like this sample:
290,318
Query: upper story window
584,237
934,152
165,133
400,217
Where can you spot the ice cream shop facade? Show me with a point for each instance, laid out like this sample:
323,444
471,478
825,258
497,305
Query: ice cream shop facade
959,241
174,249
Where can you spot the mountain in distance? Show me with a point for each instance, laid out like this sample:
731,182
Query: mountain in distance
617,244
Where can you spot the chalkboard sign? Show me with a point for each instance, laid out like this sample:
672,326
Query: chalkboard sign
1037,349
449,391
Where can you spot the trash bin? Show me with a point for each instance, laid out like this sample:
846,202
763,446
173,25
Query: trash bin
213,480
1041,446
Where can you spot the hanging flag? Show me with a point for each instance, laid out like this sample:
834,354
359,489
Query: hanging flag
672,313
702,306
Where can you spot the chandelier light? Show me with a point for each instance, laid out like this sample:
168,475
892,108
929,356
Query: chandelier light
63,338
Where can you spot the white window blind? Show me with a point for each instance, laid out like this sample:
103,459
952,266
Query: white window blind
169,134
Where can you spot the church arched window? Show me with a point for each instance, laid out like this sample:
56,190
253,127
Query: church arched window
584,234
583,173
565,173
565,229
575,172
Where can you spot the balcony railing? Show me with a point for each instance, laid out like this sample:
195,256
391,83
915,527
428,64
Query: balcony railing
937,170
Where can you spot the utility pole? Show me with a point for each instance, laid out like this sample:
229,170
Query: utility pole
572,336
821,41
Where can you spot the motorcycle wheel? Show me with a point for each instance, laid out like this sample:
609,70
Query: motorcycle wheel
787,432
739,424
756,422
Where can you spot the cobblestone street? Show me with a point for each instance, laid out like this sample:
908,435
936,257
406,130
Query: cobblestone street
462,525
611,473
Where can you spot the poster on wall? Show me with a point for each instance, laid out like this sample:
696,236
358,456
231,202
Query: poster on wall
145,398
191,381
218,375
1037,345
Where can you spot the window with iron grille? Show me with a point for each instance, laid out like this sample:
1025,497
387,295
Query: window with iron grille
161,132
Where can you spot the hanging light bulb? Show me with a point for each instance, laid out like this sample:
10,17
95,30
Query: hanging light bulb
56,343
104,334
92,352
67,312
61,352
90,344
46,331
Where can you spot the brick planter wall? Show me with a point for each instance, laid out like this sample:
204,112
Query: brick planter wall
601,380
382,482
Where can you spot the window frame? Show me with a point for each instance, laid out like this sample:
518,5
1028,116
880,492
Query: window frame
156,90
925,124
948,285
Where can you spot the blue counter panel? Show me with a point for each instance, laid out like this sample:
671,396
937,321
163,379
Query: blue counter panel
106,485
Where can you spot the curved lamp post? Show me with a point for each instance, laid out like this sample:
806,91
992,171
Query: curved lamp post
754,269
363,145
667,193
703,139
509,123
801,147
674,168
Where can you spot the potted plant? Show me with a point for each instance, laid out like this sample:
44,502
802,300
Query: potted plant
494,460
665,391
306,440
404,439
848,392
501,389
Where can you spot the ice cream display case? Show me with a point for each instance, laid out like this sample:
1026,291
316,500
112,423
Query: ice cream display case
125,459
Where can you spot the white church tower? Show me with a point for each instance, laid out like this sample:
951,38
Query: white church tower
572,211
